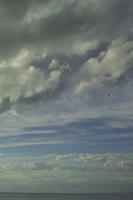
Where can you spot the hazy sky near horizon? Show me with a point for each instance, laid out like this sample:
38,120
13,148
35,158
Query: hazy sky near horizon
66,96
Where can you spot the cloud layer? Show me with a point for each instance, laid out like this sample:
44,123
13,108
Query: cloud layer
41,40
73,171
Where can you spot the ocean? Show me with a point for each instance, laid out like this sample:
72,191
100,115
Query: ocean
66,196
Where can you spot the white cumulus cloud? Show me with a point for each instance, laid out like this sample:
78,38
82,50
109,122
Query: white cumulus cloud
19,78
108,66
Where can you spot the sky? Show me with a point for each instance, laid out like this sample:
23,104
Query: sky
66,100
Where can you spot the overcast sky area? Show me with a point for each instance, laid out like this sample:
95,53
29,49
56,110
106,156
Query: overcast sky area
66,96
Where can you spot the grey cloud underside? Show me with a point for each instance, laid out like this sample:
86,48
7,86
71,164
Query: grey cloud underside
49,47
63,26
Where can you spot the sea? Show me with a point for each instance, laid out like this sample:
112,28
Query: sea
66,196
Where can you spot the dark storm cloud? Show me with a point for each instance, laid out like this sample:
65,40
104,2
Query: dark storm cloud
74,20
15,10
77,19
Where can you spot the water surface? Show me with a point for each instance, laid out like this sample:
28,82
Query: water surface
65,196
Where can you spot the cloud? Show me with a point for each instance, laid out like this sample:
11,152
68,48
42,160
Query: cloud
50,47
98,162
19,79
71,169
109,66
74,161
65,26
30,143
29,81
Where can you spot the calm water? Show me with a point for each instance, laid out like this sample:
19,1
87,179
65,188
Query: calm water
66,196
